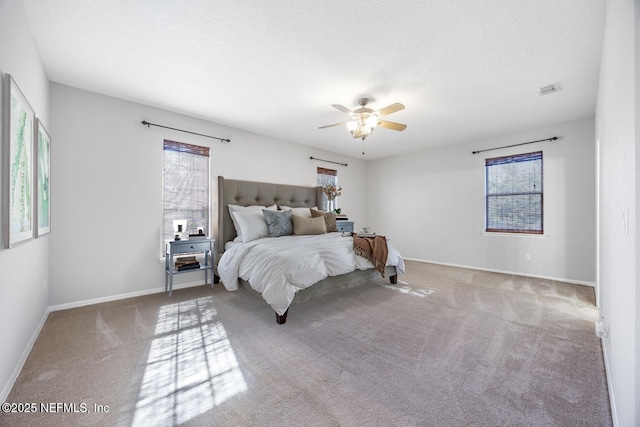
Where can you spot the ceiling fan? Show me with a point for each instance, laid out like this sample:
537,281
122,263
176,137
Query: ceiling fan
364,120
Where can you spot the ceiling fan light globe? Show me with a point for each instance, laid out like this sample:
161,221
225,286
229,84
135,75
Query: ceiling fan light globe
372,121
352,126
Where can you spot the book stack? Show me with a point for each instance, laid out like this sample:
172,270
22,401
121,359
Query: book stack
341,217
186,263
197,237
363,234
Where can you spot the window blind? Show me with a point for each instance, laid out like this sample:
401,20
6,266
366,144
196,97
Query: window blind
186,192
514,194
325,171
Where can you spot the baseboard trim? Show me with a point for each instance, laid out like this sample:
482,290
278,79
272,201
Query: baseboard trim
23,358
607,373
116,297
557,279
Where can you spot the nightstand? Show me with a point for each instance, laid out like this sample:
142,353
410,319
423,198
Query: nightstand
181,247
345,226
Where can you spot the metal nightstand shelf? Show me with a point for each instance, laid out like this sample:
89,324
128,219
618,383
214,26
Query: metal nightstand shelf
180,247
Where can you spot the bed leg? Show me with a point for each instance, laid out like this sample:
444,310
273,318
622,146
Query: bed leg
216,279
281,319
393,279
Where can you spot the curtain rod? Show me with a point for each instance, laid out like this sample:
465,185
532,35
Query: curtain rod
148,124
328,161
515,145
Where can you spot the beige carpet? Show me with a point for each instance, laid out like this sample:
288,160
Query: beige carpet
444,347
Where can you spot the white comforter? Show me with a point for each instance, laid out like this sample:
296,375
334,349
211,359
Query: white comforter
279,267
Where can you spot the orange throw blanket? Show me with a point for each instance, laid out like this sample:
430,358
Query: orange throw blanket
374,249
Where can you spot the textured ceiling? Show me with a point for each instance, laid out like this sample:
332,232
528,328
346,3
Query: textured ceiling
464,69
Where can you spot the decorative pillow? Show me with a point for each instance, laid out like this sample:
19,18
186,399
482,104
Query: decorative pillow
278,222
303,225
329,219
305,212
251,225
237,208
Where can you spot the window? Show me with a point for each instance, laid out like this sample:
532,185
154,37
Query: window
185,193
327,177
513,193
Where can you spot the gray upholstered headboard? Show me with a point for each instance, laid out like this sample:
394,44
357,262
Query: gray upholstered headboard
246,193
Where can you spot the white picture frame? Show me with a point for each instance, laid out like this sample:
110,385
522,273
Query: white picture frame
19,125
42,155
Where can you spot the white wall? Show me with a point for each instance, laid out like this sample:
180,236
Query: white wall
106,191
25,268
432,204
618,282
107,188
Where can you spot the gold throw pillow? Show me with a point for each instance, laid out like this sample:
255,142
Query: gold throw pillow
303,225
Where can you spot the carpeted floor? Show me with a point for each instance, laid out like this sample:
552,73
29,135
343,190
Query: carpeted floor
443,347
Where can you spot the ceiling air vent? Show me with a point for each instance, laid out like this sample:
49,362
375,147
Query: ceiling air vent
546,90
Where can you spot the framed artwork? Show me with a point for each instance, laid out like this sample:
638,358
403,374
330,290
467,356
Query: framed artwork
43,162
19,142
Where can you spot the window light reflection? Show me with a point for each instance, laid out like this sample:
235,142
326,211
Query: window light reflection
191,366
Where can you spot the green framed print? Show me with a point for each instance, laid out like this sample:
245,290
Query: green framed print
19,142
43,162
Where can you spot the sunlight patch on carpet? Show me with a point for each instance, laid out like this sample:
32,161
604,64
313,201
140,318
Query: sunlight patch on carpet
191,366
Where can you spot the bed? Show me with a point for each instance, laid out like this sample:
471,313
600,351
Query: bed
277,290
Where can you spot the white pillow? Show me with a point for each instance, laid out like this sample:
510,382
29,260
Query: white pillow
251,225
305,212
237,208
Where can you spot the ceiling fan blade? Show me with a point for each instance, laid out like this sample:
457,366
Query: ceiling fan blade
341,108
391,125
390,109
335,124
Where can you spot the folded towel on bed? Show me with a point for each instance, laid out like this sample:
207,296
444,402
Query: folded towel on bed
374,249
